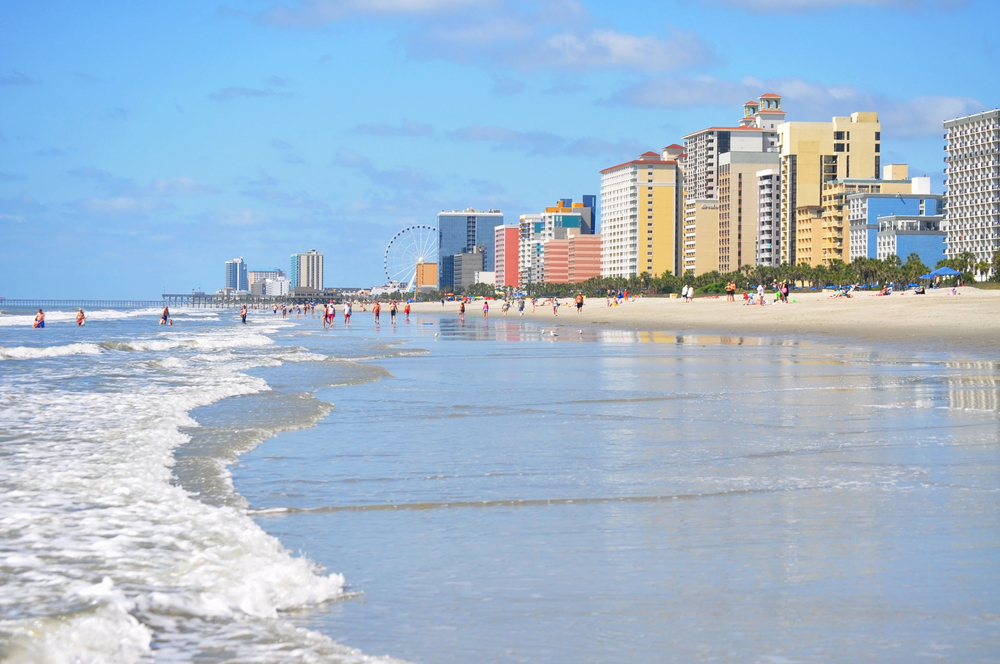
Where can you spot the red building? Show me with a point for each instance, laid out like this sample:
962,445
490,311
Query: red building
505,255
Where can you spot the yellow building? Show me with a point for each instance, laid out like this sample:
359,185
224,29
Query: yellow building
738,206
809,231
640,214
833,242
812,154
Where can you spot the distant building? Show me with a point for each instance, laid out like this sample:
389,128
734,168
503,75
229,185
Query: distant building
466,265
720,189
271,287
739,205
236,275
813,154
486,278
572,260
558,222
768,217
261,275
972,185
461,231
307,270
641,214
834,240
427,275
864,210
506,253
904,235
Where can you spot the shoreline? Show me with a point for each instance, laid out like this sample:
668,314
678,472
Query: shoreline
935,321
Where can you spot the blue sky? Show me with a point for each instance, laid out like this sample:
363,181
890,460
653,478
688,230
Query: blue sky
142,144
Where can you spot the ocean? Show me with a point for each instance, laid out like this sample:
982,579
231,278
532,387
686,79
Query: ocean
435,491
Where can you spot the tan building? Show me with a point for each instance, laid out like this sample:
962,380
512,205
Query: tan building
640,213
427,274
739,206
721,189
812,154
701,235
834,238
307,270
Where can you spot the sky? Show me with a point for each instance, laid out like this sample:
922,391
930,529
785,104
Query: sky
144,143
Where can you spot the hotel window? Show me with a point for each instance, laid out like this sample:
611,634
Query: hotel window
838,147
838,135
878,136
878,147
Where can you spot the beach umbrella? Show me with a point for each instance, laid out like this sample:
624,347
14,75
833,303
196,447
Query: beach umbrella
927,276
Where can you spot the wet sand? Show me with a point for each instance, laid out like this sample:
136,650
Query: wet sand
970,319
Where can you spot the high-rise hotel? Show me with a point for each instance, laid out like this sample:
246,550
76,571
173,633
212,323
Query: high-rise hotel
972,185
812,155
307,270
640,214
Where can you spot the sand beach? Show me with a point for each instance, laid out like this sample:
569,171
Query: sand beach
969,319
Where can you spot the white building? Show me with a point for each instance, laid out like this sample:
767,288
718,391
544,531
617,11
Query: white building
972,185
260,275
769,217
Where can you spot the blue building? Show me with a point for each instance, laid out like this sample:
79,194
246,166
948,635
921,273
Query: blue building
236,275
864,211
902,235
461,231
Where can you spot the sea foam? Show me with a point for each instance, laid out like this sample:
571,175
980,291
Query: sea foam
105,559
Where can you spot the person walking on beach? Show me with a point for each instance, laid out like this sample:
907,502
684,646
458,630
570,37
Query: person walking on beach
461,310
760,294
555,306
165,316
520,306
392,312
39,319
579,303
243,314
377,309
406,311
534,301
81,320
731,291
347,313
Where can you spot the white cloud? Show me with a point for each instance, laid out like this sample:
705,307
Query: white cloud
801,6
547,34
398,178
406,128
180,186
246,217
120,205
803,100
312,13
544,143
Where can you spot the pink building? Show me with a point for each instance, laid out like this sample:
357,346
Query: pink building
570,261
505,255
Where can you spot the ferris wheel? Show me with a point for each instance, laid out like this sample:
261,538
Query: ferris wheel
406,250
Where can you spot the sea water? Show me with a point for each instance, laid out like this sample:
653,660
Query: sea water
496,491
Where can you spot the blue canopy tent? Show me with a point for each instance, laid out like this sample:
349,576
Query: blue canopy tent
945,272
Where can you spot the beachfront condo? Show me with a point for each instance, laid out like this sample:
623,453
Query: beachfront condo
813,154
557,222
972,185
307,270
640,214
720,187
